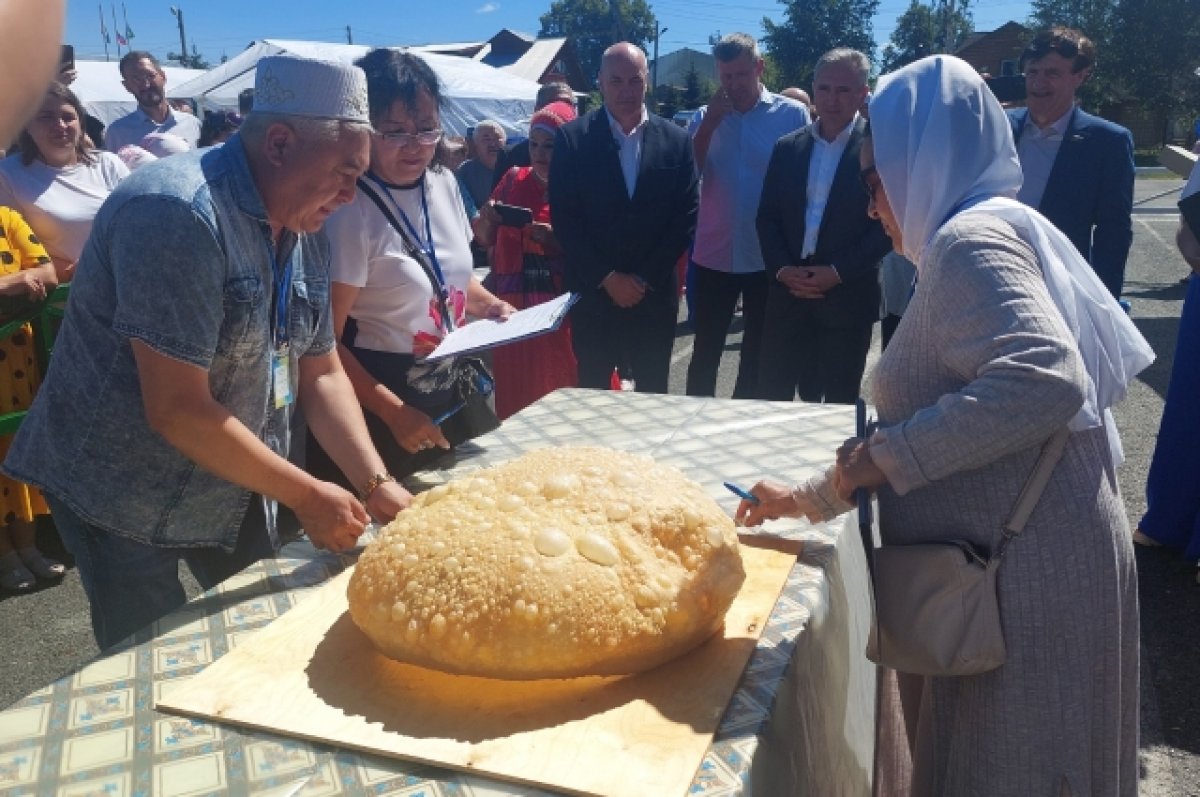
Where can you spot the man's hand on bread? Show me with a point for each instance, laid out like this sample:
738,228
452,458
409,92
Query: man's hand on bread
388,500
332,518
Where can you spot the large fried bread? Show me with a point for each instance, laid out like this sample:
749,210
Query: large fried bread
561,563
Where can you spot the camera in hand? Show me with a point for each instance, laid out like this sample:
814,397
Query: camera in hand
513,215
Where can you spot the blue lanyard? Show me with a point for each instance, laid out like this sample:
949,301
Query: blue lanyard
426,245
283,294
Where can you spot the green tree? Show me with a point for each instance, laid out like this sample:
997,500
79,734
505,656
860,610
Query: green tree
813,27
697,89
595,25
1156,56
922,30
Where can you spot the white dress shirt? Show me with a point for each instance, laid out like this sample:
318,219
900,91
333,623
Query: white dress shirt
630,148
132,128
1037,149
821,168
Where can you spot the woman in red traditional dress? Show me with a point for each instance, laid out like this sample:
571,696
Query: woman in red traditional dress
527,269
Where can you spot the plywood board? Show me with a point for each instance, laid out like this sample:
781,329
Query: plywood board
312,674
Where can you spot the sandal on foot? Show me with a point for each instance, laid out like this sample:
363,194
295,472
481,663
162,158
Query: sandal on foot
42,567
17,579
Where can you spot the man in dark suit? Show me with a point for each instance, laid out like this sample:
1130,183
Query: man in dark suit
1078,168
623,205
820,249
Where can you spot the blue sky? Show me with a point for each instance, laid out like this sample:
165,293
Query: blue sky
222,27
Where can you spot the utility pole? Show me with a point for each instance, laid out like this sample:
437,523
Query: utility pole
654,76
349,37
183,53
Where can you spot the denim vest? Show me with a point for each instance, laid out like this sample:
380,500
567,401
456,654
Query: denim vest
180,257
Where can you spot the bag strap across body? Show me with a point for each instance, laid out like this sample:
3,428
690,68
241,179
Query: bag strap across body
412,250
1052,452
1031,493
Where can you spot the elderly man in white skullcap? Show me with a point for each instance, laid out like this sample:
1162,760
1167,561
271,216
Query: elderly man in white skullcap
199,317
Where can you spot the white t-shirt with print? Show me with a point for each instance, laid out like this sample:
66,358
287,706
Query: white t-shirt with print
396,309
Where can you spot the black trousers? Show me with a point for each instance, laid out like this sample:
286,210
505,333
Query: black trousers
812,348
638,340
714,296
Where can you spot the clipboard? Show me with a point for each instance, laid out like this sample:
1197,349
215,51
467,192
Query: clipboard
524,324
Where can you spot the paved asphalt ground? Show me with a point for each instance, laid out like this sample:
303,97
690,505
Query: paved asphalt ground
46,633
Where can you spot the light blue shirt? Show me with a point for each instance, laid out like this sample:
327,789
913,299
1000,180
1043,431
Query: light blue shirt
1037,150
132,128
732,178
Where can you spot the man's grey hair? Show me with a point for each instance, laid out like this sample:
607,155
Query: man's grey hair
851,58
733,46
489,124
311,129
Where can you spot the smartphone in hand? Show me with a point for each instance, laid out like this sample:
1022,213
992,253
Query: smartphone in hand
513,215
66,60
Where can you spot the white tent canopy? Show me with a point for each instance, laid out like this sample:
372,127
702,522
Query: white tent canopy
471,91
99,88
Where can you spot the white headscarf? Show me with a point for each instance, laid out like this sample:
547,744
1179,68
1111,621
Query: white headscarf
944,146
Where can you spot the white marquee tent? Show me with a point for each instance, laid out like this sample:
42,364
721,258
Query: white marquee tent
98,86
471,91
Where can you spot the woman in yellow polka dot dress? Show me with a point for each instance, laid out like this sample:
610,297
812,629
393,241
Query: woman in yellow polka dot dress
25,271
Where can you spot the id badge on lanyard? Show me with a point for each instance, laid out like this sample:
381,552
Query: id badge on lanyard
281,378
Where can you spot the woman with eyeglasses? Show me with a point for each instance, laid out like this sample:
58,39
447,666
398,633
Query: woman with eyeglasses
57,180
1010,339
386,312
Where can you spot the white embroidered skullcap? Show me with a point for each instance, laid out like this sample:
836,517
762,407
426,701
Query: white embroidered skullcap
296,86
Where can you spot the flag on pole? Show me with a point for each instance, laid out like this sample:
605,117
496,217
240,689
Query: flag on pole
121,40
128,30
103,27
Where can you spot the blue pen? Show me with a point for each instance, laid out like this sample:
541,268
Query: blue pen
439,420
740,493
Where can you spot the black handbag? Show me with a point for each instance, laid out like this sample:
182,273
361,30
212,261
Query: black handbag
471,415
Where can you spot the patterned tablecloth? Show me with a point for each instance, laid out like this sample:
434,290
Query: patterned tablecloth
800,721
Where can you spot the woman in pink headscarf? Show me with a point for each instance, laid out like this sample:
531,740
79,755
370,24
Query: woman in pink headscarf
527,269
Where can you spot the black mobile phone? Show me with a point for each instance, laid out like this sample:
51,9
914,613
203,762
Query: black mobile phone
513,215
67,59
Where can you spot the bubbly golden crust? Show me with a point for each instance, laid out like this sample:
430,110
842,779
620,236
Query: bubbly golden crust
561,563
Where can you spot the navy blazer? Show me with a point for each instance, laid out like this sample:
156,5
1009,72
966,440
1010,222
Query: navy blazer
1089,195
849,240
600,227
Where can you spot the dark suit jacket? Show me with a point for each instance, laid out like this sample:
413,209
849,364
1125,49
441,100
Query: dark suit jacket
600,227
848,239
1089,195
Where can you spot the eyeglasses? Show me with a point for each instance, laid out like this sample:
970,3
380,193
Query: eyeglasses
870,182
426,138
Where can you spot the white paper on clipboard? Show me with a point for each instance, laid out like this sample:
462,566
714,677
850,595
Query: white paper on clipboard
486,333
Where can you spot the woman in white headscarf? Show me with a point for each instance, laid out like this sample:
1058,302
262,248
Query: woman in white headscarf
1009,337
